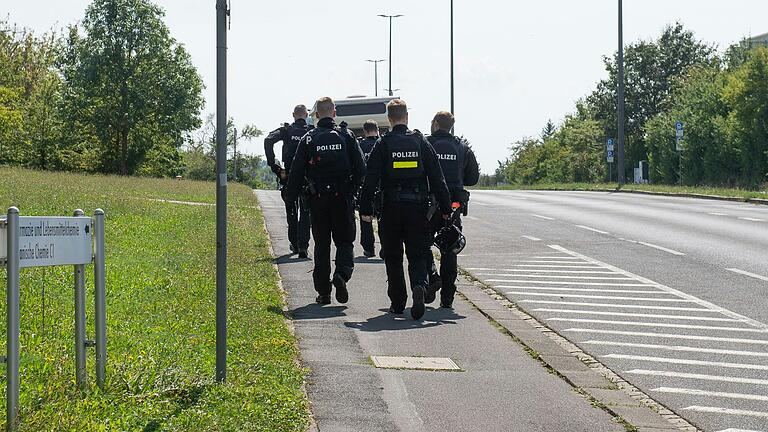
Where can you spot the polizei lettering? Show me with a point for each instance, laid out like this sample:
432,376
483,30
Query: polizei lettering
404,155
450,157
329,147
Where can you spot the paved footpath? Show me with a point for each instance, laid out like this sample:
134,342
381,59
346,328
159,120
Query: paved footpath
500,387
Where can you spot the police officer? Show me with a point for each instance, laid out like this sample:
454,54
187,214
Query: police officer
367,239
330,159
460,169
404,167
296,210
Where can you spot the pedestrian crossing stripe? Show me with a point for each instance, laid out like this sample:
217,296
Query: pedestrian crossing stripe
406,164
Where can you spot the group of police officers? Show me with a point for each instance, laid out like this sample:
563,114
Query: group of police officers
413,185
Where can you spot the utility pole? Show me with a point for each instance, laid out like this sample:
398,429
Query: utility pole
376,75
452,93
391,17
621,170
222,12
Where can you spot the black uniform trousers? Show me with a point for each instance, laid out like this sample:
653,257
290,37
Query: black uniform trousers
448,266
333,217
403,223
297,214
367,238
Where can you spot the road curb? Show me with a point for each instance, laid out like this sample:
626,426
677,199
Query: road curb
582,371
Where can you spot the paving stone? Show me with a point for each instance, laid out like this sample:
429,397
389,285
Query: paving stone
612,397
642,417
564,363
588,379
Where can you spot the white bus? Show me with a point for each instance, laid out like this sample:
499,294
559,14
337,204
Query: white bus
355,110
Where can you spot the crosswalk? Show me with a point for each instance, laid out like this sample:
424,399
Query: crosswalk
707,363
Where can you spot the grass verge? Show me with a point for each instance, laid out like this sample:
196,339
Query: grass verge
160,312
694,191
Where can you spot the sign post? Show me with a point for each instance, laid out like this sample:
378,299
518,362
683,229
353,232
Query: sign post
609,157
679,134
43,241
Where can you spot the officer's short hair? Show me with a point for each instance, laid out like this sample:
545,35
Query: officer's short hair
371,126
325,106
397,109
444,120
300,110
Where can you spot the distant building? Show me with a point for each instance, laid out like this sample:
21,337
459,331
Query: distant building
761,40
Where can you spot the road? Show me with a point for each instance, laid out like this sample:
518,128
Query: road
670,293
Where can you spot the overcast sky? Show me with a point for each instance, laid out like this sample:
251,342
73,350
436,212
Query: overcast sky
518,63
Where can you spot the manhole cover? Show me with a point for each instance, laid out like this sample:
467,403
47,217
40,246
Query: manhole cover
418,363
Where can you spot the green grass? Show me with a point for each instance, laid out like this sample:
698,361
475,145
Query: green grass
661,189
160,313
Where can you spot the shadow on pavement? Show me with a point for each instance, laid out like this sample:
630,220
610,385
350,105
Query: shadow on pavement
316,311
290,258
363,260
388,321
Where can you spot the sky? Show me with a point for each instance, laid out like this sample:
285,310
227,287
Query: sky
518,63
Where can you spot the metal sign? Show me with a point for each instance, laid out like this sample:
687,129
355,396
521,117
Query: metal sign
610,144
610,156
679,133
51,241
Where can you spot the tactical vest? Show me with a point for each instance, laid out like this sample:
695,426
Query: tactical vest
404,178
329,164
293,134
450,152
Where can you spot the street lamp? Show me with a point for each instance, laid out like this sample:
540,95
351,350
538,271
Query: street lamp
375,75
620,102
390,47
452,106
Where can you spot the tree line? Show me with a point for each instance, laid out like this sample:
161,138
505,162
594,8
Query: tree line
722,99
115,94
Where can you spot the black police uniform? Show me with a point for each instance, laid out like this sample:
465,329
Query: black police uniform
367,238
297,210
404,166
460,169
330,159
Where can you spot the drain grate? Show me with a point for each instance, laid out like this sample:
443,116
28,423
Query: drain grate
415,363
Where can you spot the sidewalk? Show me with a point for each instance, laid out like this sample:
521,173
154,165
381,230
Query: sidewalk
500,387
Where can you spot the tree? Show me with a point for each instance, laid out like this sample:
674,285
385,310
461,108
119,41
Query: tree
548,131
129,84
650,68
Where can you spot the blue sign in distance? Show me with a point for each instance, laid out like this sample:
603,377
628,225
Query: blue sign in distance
610,156
679,126
610,144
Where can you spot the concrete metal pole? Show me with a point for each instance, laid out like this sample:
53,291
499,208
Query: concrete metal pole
234,157
221,190
390,56
81,376
100,295
12,302
620,168
452,99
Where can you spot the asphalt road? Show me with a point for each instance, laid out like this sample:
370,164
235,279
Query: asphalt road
670,293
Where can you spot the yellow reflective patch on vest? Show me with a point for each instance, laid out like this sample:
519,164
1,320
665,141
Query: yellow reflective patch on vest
406,164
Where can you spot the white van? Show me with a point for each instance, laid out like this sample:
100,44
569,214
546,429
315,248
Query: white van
355,110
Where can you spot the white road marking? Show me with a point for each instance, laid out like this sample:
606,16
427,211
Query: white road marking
662,248
525,293
746,273
555,276
592,229
660,325
703,377
637,315
595,290
752,219
738,430
688,362
718,214
606,284
679,348
696,392
726,411
542,217
541,271
546,266
532,238
552,262
670,336
553,257
619,306
711,306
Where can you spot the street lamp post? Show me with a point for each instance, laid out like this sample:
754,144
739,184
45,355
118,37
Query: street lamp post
376,75
222,11
452,110
391,17
620,102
